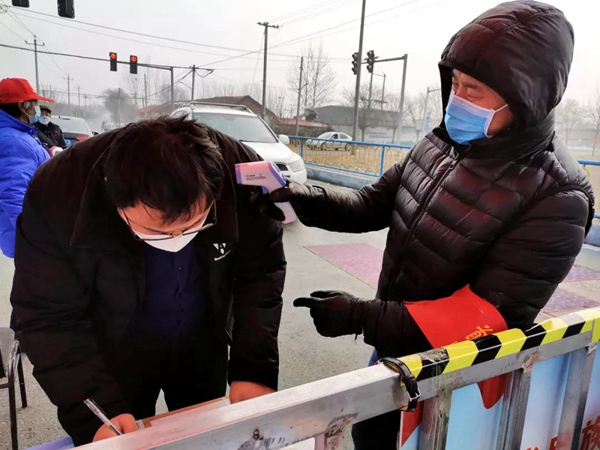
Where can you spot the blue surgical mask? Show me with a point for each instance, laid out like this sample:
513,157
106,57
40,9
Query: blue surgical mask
466,122
44,120
35,118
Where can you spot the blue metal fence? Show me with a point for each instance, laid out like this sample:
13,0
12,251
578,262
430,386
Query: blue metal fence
362,158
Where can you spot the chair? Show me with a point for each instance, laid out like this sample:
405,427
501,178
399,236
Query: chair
10,356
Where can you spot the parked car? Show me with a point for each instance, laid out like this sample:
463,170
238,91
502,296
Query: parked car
74,128
318,143
242,124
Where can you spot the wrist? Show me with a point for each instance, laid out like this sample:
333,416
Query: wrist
357,315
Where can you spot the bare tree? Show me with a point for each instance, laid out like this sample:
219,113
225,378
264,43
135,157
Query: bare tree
180,93
133,86
231,89
319,80
119,105
593,113
569,113
278,100
414,110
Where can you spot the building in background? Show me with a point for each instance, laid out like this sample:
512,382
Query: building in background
374,125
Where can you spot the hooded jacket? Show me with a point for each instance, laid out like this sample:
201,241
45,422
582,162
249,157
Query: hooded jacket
496,224
21,153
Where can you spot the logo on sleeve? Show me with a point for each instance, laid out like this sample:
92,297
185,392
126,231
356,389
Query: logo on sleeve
223,251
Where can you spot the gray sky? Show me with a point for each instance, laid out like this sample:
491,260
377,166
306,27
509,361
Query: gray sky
420,28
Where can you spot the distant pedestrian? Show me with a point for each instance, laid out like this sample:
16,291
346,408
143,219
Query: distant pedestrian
49,133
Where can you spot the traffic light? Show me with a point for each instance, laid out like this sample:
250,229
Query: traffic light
66,8
370,60
21,3
113,61
355,63
133,61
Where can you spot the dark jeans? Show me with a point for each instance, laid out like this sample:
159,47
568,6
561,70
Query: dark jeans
378,433
189,369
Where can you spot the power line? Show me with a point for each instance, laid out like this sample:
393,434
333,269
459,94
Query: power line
368,24
128,39
317,13
43,44
310,35
183,77
310,8
152,36
92,58
13,31
14,16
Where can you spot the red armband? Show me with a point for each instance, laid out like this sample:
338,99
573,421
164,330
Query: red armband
462,316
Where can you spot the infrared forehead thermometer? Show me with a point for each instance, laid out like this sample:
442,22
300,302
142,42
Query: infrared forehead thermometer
267,175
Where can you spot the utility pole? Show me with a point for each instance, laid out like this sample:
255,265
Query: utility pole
370,93
403,58
69,79
402,92
429,90
193,80
79,99
145,90
299,97
383,92
267,25
35,52
360,57
119,109
172,90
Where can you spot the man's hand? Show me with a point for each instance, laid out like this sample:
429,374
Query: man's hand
56,150
245,390
335,313
124,422
291,193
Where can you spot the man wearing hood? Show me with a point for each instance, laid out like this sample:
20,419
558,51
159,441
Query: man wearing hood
486,213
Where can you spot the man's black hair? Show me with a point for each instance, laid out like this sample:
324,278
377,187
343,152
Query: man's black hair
12,109
167,164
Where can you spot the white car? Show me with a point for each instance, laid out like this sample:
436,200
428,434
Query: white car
242,124
318,143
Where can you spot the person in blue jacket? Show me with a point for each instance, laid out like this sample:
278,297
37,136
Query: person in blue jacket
21,153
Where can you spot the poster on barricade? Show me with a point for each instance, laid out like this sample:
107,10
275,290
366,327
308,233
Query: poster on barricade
476,409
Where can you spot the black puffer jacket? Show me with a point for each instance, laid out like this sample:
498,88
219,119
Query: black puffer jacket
80,279
506,215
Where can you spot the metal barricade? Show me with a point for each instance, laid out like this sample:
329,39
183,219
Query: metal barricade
363,158
324,409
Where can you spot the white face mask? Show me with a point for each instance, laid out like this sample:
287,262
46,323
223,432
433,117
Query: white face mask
44,120
168,244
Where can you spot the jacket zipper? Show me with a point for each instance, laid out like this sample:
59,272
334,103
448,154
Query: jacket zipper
423,206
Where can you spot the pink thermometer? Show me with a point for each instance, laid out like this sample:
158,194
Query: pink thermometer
267,175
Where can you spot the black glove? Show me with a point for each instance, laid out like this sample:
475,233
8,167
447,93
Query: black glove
302,197
335,313
266,206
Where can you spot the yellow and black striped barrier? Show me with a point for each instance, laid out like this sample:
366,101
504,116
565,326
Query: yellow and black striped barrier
465,354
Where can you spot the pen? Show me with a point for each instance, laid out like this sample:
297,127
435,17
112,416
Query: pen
101,415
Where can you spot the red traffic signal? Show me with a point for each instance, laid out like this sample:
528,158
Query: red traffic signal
113,61
133,64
